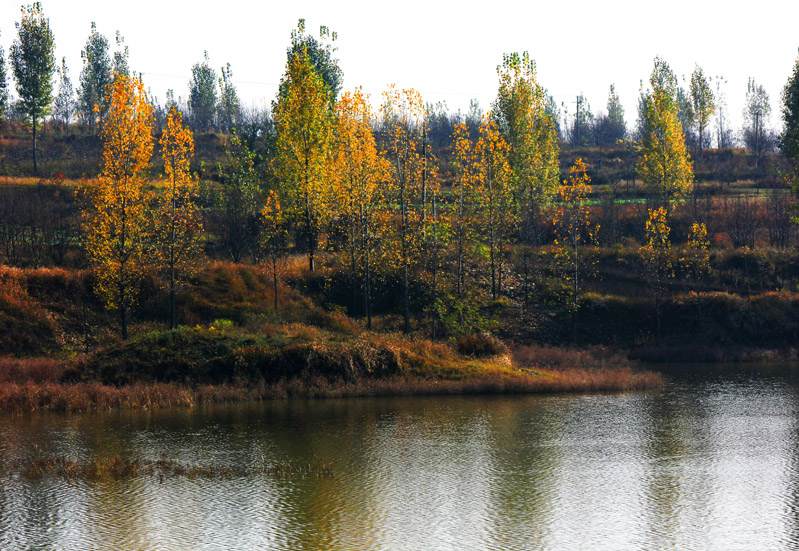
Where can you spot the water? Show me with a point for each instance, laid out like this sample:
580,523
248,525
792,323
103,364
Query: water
709,462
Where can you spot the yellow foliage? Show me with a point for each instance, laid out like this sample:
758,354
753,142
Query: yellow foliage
116,221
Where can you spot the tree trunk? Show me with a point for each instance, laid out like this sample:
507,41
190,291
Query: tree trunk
35,168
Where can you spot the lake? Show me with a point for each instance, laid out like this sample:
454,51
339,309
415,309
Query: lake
709,462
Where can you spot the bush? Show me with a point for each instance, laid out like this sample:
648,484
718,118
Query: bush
481,345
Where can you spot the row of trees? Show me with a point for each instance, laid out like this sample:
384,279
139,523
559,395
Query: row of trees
213,102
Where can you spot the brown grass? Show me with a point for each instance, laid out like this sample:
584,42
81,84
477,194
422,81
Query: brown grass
30,370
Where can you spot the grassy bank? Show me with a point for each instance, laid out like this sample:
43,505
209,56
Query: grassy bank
189,367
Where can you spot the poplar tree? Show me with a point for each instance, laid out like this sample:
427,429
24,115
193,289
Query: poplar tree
65,101
358,175
3,84
229,104
95,77
531,134
116,222
180,218
663,162
703,103
304,126
33,61
789,140
202,95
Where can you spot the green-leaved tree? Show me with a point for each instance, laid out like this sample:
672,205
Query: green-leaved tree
33,61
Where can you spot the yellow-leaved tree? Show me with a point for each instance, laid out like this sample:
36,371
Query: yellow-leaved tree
521,115
656,257
180,221
358,175
274,236
573,233
494,211
409,186
304,123
117,222
663,162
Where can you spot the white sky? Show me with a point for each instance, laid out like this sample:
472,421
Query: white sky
447,50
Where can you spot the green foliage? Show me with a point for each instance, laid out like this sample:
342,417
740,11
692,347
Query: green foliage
703,103
663,162
229,104
94,77
64,103
3,84
789,140
202,95
321,55
33,61
240,200
520,113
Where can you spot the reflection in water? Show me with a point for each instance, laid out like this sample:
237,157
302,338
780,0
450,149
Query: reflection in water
708,463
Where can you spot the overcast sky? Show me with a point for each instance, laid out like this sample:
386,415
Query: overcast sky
447,50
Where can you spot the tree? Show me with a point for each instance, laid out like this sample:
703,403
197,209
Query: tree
94,78
229,104
274,240
573,232
611,128
64,103
756,115
695,259
656,257
121,55
202,95
403,120
358,174
321,55
3,84
33,61
789,140
116,223
239,200
463,194
180,219
304,132
493,213
703,103
520,114
663,162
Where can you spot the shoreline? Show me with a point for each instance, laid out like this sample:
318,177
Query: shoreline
30,397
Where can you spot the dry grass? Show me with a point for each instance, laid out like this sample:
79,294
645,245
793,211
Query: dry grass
30,370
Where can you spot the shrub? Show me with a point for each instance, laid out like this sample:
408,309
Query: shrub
481,345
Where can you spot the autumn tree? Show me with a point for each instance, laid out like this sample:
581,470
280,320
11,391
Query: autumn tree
116,223
321,55
656,259
95,76
703,103
304,126
180,220
33,61
358,175
407,189
611,127
202,95
493,214
463,192
789,140
274,236
695,258
520,114
574,232
663,162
